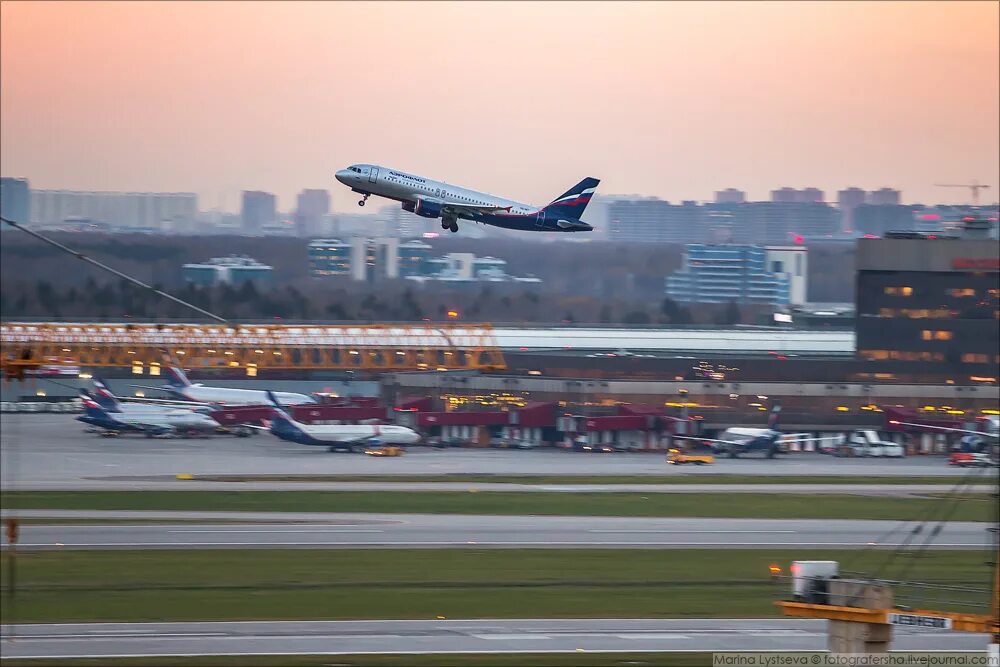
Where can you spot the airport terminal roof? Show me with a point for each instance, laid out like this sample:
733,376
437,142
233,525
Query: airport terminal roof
748,340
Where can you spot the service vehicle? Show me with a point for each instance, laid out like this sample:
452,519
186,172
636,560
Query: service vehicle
677,457
868,442
384,451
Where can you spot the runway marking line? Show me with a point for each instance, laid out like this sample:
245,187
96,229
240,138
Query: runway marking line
683,532
277,530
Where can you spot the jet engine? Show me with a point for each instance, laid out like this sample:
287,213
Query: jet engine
427,208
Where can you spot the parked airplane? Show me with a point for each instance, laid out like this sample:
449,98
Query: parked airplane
173,422
337,437
437,199
743,440
104,397
178,385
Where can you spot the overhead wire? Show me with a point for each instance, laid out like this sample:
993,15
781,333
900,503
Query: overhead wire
116,272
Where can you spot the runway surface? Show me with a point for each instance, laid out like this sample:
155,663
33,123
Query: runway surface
461,531
102,640
51,451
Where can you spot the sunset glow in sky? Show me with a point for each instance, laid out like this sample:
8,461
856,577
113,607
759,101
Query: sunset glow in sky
522,99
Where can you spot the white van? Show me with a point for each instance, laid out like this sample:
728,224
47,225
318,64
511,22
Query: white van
867,442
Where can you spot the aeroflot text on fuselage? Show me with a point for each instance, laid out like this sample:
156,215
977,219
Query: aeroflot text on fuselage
437,199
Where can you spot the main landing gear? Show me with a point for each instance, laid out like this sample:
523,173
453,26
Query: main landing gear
363,200
451,224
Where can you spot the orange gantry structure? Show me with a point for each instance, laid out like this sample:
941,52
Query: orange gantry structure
385,347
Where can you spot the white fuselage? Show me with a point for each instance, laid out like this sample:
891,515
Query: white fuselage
182,420
391,435
229,396
401,186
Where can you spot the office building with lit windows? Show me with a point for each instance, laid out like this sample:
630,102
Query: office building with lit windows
930,299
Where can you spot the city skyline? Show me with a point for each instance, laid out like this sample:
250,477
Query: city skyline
673,100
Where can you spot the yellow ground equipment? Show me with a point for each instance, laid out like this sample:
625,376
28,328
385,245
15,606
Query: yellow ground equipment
677,457
384,451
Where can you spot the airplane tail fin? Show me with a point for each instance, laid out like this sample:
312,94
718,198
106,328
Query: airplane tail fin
104,397
175,377
282,425
91,408
774,420
573,202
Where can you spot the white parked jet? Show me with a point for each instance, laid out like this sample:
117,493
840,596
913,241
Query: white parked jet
179,386
338,437
437,199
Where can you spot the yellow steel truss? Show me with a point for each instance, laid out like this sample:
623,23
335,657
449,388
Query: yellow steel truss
365,347
959,622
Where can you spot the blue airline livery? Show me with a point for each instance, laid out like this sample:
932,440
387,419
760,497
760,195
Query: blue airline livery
450,203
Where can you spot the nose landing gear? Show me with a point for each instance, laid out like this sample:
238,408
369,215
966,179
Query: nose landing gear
363,200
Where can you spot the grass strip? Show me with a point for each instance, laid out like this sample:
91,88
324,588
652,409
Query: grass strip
193,585
718,505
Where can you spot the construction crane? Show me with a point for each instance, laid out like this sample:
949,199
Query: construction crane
862,609
974,188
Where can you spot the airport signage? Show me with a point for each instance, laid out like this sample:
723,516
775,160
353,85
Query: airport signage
976,263
915,620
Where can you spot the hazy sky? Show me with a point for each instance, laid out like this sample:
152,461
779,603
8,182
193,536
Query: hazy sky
518,99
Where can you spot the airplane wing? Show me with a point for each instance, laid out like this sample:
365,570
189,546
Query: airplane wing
459,207
944,428
732,442
146,386
159,401
256,427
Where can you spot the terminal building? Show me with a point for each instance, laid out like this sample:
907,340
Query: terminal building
931,300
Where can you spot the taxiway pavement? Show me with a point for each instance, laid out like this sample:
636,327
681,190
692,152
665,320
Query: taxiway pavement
51,451
105,640
465,531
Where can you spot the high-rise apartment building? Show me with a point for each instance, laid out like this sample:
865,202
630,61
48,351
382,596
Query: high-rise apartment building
15,199
884,197
791,195
311,209
782,222
730,196
258,209
877,219
656,221
163,211
848,200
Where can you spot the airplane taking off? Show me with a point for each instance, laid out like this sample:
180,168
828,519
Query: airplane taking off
179,386
336,437
437,199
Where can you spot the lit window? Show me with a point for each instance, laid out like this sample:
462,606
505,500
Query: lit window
970,358
962,292
906,291
891,291
926,335
943,335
